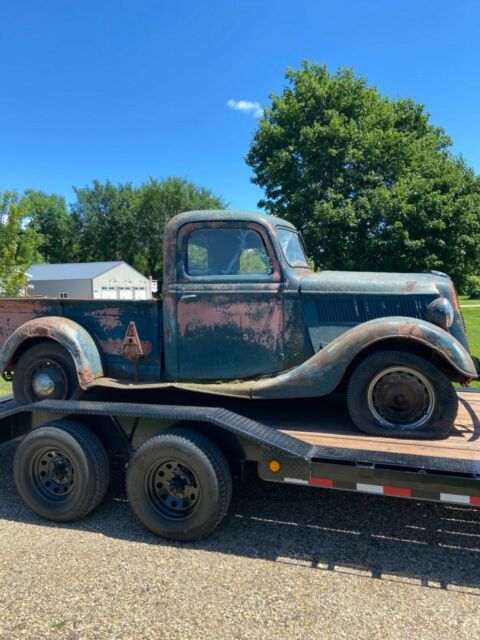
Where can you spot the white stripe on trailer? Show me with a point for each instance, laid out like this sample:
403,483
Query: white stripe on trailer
453,497
295,481
369,488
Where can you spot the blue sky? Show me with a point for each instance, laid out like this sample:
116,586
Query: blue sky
125,90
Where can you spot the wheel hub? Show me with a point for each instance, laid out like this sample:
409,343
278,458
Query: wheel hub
401,398
54,474
48,380
173,489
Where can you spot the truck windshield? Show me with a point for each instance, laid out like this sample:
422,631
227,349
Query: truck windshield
291,247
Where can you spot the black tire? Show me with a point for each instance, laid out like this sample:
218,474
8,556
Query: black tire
61,471
195,479
401,395
47,361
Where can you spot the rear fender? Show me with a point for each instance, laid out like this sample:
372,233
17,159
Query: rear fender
73,337
322,373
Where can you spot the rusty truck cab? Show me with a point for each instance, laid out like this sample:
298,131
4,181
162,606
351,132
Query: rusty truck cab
230,298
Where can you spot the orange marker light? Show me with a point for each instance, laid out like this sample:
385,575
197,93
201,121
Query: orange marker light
274,466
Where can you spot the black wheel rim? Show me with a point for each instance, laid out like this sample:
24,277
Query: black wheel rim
401,398
54,475
46,379
173,489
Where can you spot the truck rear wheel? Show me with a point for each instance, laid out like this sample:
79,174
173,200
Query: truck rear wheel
45,372
179,485
61,471
402,395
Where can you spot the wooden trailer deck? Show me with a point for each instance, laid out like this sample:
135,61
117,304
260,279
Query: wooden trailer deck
337,430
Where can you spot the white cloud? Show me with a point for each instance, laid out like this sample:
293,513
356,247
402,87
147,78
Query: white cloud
246,106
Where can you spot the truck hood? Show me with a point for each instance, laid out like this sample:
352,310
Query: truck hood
362,282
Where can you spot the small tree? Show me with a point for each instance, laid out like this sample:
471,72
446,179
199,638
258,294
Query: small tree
18,244
50,218
160,200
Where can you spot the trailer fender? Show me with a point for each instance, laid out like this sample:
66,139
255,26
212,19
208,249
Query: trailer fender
322,373
72,336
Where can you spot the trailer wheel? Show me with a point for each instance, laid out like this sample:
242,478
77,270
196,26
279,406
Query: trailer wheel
402,395
179,485
45,371
61,471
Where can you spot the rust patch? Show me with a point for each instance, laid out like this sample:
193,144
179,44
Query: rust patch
409,285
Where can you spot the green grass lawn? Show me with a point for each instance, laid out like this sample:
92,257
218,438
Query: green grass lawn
464,300
472,322
5,387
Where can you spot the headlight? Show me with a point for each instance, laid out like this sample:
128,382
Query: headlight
441,313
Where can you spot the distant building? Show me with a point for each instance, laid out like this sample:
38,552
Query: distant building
107,280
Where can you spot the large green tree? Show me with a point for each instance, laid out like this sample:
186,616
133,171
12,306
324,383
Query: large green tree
19,244
369,180
50,218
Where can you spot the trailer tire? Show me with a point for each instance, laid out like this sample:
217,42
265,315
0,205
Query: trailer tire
61,471
179,485
45,371
423,406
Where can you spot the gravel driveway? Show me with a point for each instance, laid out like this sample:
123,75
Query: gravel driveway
289,562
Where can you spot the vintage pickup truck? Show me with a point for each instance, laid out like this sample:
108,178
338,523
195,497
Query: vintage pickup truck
243,314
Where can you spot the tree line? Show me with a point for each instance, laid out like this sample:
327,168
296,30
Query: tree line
105,222
370,182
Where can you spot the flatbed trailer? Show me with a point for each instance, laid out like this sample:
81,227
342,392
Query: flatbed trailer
324,451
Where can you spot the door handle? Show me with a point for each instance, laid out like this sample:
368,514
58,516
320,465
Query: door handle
188,296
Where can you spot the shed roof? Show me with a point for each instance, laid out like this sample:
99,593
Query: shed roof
71,271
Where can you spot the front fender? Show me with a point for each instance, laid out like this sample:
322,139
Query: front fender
322,373
72,336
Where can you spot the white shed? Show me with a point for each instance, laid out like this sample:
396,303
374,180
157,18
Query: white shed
108,280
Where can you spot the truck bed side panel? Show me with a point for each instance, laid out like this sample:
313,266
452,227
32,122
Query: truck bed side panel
16,311
105,320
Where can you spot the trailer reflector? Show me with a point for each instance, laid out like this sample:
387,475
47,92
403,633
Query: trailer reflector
274,466
386,490
320,482
453,497
397,491
369,488
295,481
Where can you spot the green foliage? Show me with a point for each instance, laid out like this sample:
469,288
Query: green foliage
18,244
51,220
121,222
368,180
254,261
471,288
104,218
158,202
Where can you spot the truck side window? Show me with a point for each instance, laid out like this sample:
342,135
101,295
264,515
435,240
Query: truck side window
227,252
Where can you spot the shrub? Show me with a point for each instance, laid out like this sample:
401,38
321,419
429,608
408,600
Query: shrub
471,287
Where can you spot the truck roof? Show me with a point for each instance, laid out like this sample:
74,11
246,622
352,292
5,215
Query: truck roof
226,214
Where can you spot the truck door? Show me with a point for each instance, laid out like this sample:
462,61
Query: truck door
229,310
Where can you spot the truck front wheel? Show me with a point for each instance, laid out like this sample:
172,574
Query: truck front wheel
45,372
402,395
179,485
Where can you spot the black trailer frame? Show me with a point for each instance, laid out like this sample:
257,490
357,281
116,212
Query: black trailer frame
279,457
